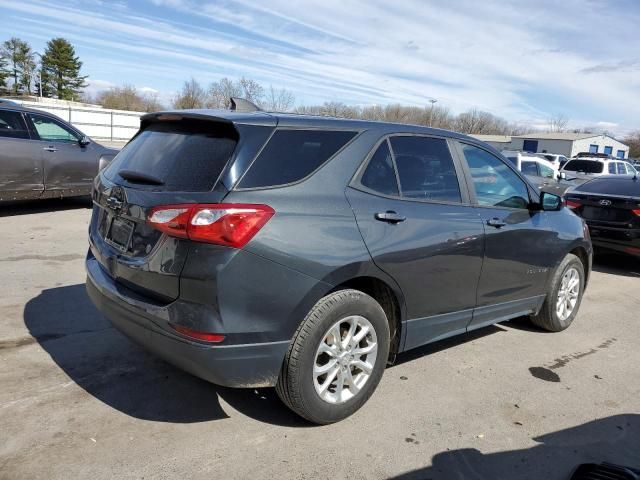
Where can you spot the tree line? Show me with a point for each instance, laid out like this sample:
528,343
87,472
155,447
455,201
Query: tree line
54,74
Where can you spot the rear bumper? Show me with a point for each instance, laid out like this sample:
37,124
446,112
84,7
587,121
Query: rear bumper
618,239
238,365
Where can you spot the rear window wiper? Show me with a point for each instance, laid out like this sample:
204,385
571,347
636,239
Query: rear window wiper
140,177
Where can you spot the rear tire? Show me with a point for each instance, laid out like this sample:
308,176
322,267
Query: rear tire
564,297
336,358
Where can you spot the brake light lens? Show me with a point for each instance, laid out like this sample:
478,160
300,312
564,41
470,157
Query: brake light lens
636,211
203,336
573,204
229,224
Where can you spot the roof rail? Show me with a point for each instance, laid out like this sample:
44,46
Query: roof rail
243,105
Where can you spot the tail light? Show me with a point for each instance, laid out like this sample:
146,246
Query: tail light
636,211
204,336
228,224
573,204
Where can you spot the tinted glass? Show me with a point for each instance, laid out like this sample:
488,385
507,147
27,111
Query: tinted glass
52,130
380,174
621,169
586,166
291,155
545,171
612,168
513,160
425,169
12,125
495,183
529,168
186,156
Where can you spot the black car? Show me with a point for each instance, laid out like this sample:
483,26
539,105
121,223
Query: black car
611,208
256,249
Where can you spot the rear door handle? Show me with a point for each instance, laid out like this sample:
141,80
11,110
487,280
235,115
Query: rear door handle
50,149
496,222
390,216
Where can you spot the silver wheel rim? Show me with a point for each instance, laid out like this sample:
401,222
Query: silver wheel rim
568,293
345,359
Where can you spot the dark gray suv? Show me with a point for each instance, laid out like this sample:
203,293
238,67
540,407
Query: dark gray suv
256,249
42,156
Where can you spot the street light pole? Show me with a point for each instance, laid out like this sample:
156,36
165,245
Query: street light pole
432,101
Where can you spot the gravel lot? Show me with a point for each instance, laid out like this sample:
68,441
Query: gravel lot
78,400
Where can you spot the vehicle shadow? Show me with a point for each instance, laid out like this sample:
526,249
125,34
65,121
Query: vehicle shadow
26,207
612,439
616,264
122,375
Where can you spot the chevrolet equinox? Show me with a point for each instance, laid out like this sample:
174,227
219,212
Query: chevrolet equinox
255,249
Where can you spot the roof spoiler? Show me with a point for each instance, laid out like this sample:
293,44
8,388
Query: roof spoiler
243,105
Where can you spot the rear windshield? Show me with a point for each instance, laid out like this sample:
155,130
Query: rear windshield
291,155
185,155
586,166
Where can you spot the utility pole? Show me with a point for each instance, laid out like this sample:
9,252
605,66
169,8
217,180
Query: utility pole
432,101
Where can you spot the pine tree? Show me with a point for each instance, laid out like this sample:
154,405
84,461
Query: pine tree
19,55
61,71
4,73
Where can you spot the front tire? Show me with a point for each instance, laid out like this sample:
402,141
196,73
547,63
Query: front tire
564,297
336,358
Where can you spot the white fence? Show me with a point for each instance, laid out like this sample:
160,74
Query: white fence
98,123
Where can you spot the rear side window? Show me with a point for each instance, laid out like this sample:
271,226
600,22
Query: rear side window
612,168
291,155
185,155
12,125
530,168
380,175
621,168
425,169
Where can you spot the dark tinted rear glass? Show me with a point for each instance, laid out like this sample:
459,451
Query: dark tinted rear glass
291,155
615,186
380,175
586,166
425,169
186,155
12,125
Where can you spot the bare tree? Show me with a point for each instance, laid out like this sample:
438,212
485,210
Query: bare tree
126,97
633,140
558,123
278,100
192,95
221,91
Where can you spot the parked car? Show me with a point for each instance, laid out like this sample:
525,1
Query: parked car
611,208
557,160
586,168
256,249
42,156
539,170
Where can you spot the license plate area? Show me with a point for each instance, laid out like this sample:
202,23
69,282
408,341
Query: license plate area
120,233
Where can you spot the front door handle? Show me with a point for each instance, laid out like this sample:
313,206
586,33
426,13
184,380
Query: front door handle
390,216
50,149
496,222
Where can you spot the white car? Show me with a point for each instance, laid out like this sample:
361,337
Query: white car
557,160
532,165
585,168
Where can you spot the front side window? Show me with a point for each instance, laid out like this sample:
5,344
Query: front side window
12,125
292,155
425,169
380,175
51,130
496,185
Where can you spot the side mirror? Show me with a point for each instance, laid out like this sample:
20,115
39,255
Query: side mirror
84,141
550,202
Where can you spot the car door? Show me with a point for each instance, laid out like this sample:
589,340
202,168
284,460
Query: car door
21,172
416,220
520,244
67,164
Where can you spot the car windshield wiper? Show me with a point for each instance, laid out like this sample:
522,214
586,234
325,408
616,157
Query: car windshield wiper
140,177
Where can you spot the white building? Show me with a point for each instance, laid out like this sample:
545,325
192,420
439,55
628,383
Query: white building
569,144
499,142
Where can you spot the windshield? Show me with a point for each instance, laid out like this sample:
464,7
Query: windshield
585,166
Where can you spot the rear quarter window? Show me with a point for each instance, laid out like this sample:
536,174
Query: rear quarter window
291,155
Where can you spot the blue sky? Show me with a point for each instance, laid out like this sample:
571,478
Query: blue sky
522,60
